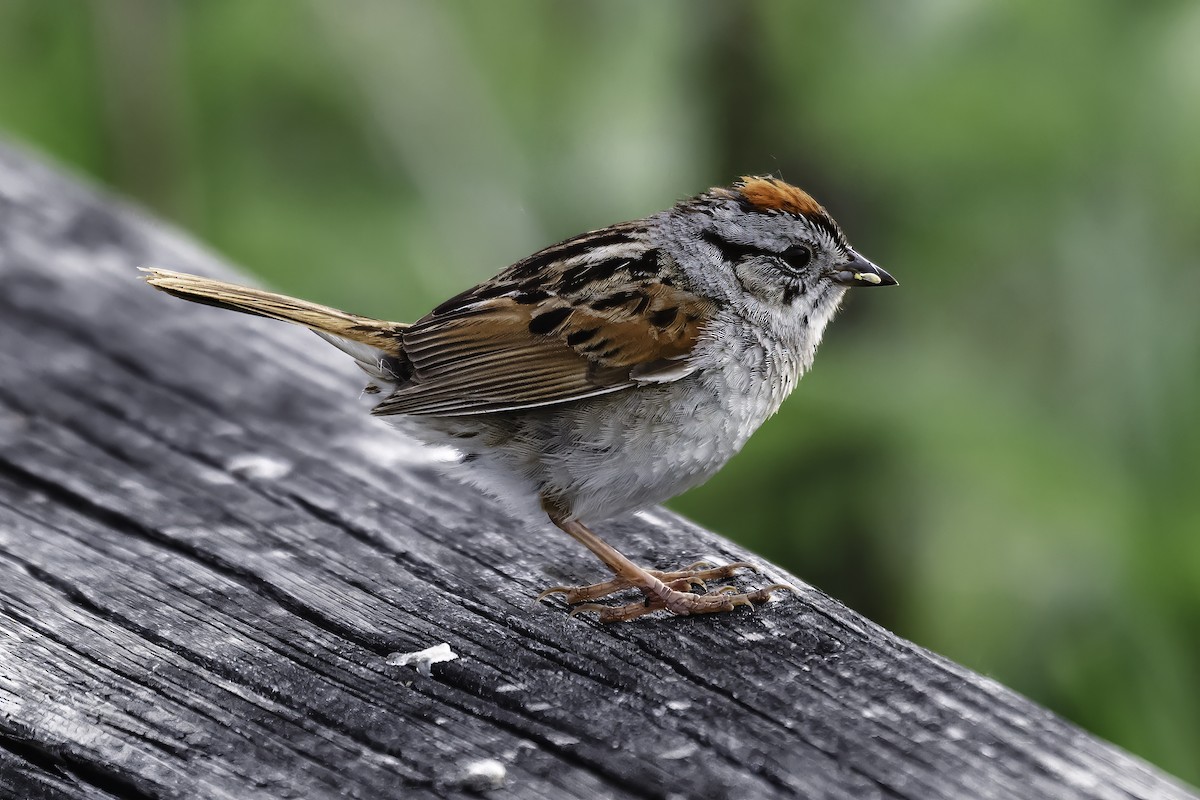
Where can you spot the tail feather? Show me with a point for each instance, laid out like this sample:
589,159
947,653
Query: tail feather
364,339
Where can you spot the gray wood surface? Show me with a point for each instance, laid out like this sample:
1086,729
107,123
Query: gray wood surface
208,549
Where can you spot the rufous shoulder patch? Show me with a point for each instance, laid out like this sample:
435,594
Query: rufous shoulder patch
772,194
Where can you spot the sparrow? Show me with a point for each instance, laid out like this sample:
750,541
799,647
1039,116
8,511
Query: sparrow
608,372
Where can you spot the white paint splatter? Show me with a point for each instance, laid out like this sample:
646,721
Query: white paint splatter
215,476
423,660
258,467
482,775
509,687
679,753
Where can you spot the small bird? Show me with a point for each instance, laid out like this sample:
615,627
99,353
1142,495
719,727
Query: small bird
610,371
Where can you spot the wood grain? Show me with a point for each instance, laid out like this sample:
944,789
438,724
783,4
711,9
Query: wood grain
208,549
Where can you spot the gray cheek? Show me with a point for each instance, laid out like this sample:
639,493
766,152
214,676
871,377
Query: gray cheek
761,281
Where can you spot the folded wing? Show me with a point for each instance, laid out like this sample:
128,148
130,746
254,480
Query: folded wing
526,349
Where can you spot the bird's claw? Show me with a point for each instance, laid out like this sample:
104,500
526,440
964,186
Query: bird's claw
673,594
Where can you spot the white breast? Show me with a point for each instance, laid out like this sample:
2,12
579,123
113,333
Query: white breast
675,436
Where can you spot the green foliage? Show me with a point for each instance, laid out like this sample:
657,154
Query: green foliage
997,459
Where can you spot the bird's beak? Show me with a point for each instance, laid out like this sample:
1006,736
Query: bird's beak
860,272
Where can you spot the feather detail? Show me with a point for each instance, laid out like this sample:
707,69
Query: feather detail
377,333
772,194
368,341
587,327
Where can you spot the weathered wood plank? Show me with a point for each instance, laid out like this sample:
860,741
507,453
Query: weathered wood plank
207,550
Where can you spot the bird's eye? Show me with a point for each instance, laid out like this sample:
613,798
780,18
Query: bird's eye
797,256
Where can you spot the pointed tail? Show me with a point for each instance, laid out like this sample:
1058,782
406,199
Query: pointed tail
347,332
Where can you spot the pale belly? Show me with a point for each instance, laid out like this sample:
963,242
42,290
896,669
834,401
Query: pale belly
620,452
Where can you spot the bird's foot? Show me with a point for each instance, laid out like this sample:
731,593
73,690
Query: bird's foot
682,581
669,591
683,603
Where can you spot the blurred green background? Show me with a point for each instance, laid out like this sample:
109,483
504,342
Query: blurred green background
998,460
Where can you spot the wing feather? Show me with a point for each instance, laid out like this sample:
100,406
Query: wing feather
505,353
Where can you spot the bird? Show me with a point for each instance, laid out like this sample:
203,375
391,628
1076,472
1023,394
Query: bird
608,372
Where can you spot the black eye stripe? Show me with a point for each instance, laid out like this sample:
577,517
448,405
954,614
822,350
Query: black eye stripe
732,251
796,257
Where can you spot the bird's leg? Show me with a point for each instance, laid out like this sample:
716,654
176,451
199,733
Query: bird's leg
670,594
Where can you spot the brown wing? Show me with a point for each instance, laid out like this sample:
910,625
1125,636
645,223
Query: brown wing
537,348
